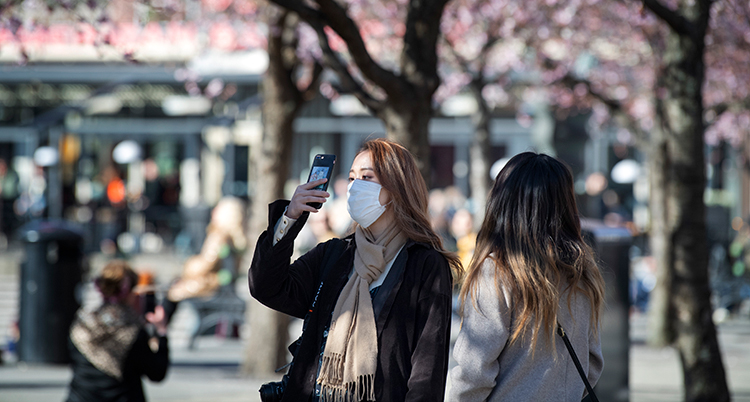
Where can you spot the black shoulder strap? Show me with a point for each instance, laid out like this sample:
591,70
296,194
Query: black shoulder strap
561,332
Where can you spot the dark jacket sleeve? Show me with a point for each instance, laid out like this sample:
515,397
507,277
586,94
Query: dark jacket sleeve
152,364
273,281
430,356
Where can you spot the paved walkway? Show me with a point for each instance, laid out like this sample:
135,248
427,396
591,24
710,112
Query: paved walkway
211,371
656,374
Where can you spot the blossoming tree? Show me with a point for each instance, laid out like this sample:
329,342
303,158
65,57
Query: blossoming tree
669,74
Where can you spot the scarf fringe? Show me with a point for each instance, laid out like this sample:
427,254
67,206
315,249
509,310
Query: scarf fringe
363,389
332,370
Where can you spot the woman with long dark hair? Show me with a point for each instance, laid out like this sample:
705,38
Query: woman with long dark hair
378,302
530,270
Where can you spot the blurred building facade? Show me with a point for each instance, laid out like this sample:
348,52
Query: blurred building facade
138,136
125,148
119,148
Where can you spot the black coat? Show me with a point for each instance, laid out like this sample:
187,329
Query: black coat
89,384
413,325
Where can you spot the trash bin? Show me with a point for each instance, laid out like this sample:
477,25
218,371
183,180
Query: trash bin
50,289
612,249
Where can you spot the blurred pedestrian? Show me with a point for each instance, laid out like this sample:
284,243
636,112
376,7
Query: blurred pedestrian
462,229
218,262
316,230
109,346
530,271
378,302
9,184
739,249
440,217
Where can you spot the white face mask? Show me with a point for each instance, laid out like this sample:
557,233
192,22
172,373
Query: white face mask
363,202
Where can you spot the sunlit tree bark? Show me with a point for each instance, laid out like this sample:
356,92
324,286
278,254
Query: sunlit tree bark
678,183
282,100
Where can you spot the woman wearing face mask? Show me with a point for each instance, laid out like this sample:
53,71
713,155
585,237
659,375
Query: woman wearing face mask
378,302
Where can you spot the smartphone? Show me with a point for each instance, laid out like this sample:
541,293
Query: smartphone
322,167
149,302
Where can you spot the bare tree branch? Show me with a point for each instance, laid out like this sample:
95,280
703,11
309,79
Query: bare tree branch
306,13
8,5
311,90
465,64
739,9
458,60
571,81
676,21
720,108
348,82
346,28
482,58
615,107
333,15
491,42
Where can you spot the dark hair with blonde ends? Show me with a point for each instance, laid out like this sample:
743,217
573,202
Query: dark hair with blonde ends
532,232
398,174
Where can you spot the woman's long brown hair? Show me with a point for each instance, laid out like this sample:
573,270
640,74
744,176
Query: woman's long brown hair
532,232
398,173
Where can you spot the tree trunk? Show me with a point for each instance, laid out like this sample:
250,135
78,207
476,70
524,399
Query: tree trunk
480,155
408,123
408,112
679,240
267,327
659,306
267,344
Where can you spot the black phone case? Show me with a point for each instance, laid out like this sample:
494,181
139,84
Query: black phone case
149,301
323,160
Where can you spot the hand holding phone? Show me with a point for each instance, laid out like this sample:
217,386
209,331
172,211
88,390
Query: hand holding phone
159,320
310,196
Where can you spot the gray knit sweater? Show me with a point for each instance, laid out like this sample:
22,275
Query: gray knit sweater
491,370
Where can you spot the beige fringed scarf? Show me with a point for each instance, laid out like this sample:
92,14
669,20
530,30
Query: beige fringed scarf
351,352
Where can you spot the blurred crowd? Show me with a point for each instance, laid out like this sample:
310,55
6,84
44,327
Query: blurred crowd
217,261
123,210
